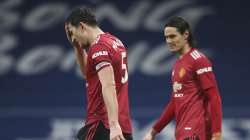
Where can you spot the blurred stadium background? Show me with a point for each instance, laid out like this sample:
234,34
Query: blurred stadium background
42,96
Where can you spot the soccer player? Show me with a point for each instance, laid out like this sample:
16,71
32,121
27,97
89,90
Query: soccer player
195,102
103,61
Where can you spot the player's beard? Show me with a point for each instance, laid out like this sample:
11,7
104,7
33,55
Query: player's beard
85,45
175,48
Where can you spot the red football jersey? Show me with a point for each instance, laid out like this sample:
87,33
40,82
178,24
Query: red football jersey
105,51
191,75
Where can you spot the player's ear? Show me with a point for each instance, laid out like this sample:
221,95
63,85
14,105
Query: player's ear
83,26
186,34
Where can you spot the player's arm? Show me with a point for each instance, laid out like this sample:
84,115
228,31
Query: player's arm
166,116
106,77
214,100
81,58
208,84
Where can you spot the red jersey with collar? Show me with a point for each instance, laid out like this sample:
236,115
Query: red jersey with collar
191,76
195,101
107,50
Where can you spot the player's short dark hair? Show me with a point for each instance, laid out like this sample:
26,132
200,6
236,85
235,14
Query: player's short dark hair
82,14
182,26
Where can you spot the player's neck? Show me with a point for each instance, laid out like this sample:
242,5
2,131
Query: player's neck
183,51
95,33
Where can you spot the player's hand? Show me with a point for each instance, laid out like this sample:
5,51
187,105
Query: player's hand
116,132
70,37
150,135
68,33
216,136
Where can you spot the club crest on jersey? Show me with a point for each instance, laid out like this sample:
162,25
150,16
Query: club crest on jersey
182,72
177,86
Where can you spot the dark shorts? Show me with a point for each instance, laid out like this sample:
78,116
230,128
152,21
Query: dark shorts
97,131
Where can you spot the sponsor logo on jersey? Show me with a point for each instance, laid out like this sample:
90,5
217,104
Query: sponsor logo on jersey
178,95
100,53
204,70
182,72
177,86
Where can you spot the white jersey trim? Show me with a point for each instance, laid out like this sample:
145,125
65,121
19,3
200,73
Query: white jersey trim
100,65
97,39
187,128
195,54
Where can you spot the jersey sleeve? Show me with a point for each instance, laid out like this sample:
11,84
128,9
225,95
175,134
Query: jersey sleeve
166,116
206,78
204,73
101,56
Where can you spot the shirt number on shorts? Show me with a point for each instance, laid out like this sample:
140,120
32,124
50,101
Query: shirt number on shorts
124,67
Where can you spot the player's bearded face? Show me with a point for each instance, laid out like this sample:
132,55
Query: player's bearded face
174,39
75,36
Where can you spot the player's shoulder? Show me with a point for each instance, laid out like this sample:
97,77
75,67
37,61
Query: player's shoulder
103,41
197,56
100,47
99,44
199,59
